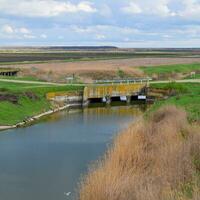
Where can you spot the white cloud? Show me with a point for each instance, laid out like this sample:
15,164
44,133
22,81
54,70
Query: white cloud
44,36
7,29
132,8
84,6
100,37
23,30
191,9
26,36
15,32
103,29
145,7
43,8
186,9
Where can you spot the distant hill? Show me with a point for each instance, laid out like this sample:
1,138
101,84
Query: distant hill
64,48
86,48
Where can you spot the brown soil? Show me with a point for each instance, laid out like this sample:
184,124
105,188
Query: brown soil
31,95
9,97
12,98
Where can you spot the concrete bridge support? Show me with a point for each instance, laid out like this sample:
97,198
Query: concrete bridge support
106,92
128,99
108,100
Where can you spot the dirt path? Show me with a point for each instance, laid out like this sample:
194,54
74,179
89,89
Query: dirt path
178,81
62,84
36,82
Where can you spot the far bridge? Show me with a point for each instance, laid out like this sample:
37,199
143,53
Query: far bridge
120,91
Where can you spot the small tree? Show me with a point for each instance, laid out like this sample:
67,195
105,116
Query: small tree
121,73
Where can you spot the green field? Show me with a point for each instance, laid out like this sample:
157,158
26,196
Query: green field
31,100
197,76
187,96
23,78
170,69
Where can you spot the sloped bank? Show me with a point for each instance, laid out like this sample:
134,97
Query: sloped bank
21,106
37,117
154,159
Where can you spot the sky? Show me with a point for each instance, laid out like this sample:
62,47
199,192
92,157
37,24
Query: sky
122,23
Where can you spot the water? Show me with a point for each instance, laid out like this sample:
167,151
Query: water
45,161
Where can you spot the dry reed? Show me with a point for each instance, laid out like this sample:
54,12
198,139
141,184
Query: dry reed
151,160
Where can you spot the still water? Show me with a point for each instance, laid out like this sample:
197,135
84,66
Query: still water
45,161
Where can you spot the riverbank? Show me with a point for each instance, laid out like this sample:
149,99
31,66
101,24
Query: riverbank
183,95
37,117
21,101
157,158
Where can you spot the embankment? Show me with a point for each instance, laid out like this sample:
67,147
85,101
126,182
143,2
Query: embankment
154,159
21,101
37,117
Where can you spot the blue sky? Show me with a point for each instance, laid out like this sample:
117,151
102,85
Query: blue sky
123,23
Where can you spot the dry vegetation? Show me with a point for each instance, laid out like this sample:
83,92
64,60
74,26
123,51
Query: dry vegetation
102,69
157,159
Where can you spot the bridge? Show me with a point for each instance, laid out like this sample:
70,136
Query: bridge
108,92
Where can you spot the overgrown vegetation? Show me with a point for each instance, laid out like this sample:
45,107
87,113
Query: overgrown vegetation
157,159
185,95
30,100
121,74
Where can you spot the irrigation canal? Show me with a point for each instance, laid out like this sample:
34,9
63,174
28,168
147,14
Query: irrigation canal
45,161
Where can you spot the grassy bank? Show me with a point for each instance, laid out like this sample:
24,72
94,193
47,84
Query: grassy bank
184,95
172,71
19,101
179,68
155,159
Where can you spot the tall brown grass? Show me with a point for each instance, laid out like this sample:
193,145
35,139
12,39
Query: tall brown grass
157,159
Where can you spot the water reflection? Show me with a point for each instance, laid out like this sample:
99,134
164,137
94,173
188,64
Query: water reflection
46,160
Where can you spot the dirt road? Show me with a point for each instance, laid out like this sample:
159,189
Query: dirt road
62,84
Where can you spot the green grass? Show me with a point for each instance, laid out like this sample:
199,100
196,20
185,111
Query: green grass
197,76
11,114
187,97
169,69
23,78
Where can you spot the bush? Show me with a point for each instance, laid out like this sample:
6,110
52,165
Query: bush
121,73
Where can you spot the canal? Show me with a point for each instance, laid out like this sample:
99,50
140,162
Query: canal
46,161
